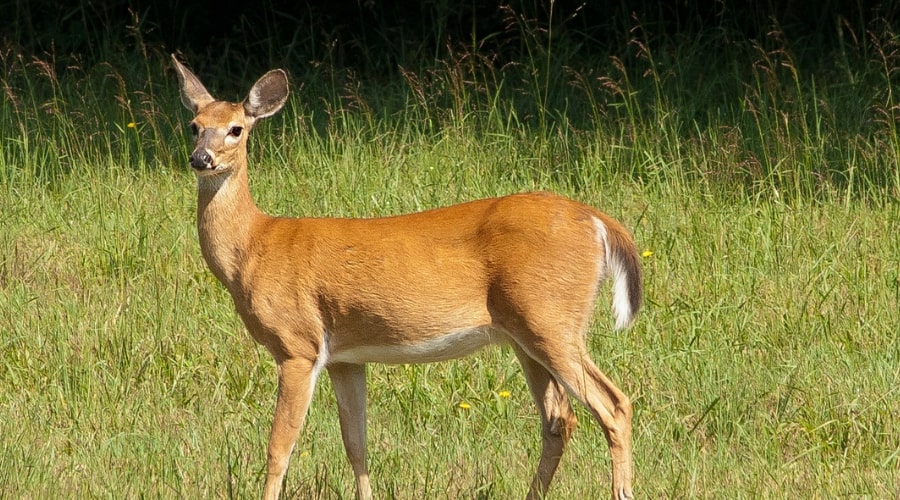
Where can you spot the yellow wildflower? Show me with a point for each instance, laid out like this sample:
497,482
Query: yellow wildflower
647,253
503,394
131,125
464,405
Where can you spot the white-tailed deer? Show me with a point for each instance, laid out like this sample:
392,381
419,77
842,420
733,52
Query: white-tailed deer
333,294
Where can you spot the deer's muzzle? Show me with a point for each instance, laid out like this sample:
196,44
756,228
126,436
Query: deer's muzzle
201,159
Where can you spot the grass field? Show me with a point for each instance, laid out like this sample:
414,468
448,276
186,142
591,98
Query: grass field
766,360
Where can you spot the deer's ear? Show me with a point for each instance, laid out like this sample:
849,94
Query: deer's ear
193,94
268,94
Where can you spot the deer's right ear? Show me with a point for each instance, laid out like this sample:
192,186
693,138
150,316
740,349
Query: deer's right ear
193,94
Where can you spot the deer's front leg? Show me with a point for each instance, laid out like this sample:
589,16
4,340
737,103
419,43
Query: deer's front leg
349,383
296,381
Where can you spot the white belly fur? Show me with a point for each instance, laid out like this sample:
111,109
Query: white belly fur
451,345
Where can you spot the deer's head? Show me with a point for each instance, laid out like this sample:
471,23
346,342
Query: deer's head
220,128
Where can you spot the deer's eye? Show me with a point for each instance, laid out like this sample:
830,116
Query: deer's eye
235,131
195,129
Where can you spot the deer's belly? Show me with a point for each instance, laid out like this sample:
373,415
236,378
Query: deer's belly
449,345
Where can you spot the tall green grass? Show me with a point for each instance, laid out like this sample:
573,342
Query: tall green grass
763,194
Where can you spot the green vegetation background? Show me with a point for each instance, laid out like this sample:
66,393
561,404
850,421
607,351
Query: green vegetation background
752,150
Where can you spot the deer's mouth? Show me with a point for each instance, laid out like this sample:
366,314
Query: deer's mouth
210,169
202,160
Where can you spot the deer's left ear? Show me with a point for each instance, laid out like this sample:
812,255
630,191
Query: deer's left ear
268,95
193,94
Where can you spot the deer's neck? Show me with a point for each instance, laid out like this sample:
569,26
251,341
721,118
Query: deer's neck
226,216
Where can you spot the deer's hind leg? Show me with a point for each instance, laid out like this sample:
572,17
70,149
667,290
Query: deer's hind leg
574,370
554,356
557,421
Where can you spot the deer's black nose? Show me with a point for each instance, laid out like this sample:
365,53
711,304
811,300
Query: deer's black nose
200,159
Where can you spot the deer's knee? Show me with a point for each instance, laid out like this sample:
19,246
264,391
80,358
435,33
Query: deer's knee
623,408
561,426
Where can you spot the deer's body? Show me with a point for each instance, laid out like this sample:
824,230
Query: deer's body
334,294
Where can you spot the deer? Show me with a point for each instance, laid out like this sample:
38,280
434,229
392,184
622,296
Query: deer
333,294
